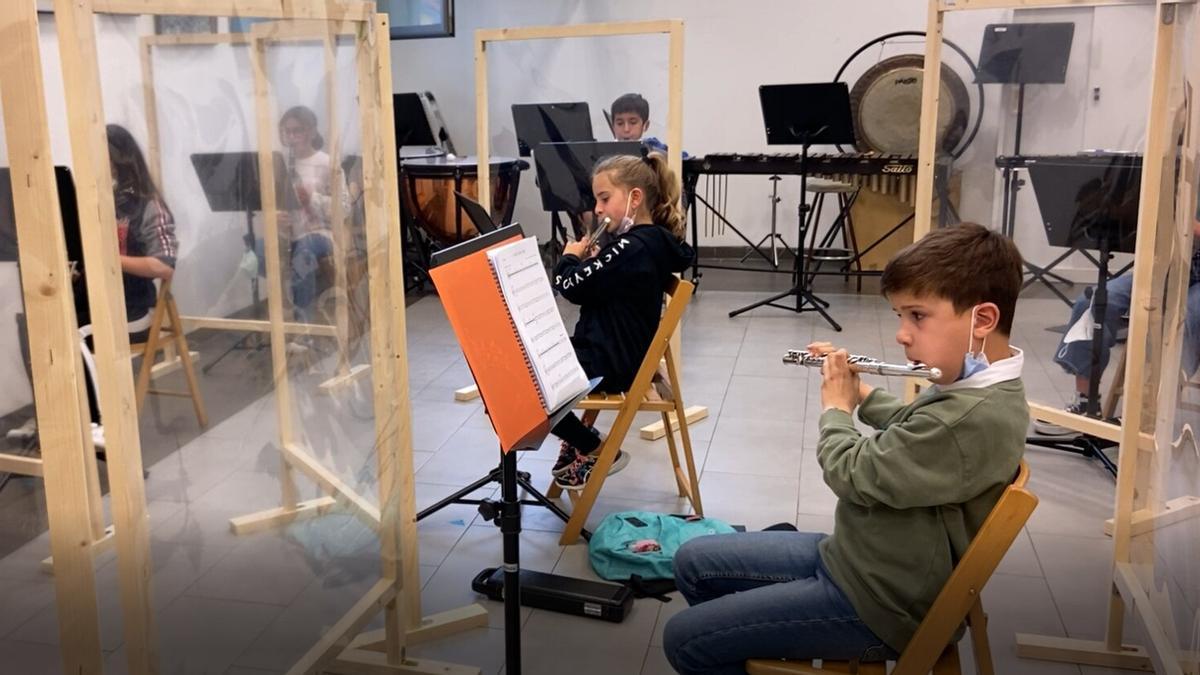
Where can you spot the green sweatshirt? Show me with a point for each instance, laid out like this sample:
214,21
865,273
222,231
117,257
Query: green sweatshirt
911,497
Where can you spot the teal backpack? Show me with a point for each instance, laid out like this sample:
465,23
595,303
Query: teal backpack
612,547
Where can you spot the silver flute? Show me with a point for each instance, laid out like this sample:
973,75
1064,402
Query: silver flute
592,236
864,364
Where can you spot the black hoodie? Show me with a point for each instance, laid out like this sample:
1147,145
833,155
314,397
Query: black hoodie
620,294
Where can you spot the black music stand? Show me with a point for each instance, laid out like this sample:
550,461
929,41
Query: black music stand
804,115
506,513
230,182
1021,54
1085,203
411,121
537,123
564,178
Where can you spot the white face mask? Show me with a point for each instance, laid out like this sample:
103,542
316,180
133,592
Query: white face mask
626,221
973,362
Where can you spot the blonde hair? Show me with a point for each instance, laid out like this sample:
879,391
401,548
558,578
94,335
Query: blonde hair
655,179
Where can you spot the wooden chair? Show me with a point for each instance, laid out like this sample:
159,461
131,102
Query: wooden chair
932,648
159,338
640,398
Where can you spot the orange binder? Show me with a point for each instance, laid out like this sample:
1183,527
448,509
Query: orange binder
471,297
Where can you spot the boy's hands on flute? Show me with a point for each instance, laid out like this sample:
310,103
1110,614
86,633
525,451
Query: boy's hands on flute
841,387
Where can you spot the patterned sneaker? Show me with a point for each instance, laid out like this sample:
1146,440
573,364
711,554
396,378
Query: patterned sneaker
1043,428
567,455
576,475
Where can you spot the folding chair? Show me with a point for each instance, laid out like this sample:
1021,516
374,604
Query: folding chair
160,338
628,405
932,648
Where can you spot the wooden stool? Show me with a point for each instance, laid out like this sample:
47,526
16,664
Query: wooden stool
932,648
825,251
627,405
160,338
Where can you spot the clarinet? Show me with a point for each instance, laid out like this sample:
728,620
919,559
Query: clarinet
864,364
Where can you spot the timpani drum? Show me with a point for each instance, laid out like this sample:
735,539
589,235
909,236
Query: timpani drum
428,184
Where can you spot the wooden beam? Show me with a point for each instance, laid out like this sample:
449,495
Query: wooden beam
280,516
1175,511
102,545
432,627
75,23
466,393
21,465
398,493
350,10
301,460
264,119
1143,299
576,30
372,663
927,144
340,382
951,5
482,138
1163,654
1086,425
191,323
1082,652
197,39
693,414
338,637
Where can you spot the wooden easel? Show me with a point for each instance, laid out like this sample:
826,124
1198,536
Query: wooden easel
1144,441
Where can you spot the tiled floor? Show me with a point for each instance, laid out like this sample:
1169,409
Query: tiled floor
254,604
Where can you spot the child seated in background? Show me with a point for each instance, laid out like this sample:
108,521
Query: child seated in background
619,289
631,121
910,497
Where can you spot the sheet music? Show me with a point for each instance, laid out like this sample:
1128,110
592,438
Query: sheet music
530,300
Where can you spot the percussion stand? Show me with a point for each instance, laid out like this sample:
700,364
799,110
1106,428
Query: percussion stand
774,236
801,288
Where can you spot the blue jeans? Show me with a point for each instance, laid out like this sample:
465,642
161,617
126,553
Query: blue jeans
306,251
1076,357
761,595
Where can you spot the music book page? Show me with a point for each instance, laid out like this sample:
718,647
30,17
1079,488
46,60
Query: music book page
526,290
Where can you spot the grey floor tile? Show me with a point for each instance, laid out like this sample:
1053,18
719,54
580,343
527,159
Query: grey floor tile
551,640
764,398
264,568
763,447
753,501
30,657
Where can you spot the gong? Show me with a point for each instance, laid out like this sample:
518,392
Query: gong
886,105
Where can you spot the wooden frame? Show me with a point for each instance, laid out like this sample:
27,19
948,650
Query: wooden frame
340,329
397,593
68,461
1138,498
673,28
